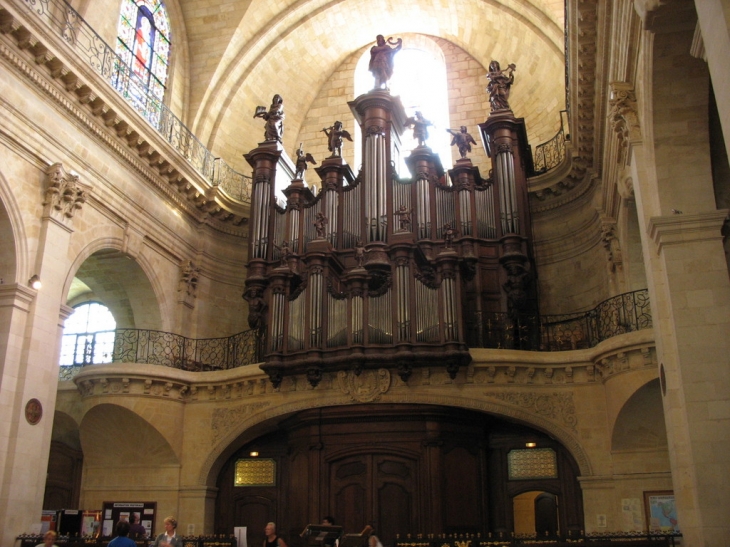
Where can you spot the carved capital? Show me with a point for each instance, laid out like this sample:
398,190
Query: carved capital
624,117
64,193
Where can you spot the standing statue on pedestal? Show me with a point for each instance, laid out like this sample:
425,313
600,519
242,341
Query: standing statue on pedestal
500,82
320,223
404,218
420,128
302,160
381,60
335,134
462,139
274,117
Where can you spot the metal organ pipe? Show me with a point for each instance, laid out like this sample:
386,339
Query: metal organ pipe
505,174
296,322
277,322
427,313
465,212
331,214
262,197
423,197
403,312
486,224
316,285
356,320
375,179
449,294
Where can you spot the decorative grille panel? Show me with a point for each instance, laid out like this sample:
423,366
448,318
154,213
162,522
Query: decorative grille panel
250,472
532,463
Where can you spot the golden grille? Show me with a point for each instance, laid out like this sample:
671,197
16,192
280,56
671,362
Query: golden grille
255,473
533,463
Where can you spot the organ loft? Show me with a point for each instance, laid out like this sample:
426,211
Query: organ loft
385,268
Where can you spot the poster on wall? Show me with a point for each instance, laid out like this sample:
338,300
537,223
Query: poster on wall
144,512
90,524
661,512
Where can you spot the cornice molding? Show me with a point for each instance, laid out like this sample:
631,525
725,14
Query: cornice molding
115,124
681,229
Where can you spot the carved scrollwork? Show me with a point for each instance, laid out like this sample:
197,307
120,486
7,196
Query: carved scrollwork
64,193
366,387
374,130
556,406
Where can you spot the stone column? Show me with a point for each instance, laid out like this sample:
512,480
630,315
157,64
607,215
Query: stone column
669,162
714,22
33,320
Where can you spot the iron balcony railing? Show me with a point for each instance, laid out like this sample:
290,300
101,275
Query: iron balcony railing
624,313
102,58
550,154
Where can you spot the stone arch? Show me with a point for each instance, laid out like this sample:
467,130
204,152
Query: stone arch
14,264
640,422
234,88
66,430
133,278
255,422
114,436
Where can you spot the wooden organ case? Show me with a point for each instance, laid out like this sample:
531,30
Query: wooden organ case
381,270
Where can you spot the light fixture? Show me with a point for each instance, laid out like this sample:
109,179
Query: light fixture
35,282
254,454
530,445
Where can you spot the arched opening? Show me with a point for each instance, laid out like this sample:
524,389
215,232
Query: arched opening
88,336
117,281
419,79
7,248
63,478
400,468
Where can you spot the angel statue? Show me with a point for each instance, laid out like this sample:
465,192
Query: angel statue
302,160
420,128
381,60
462,139
335,134
500,82
274,117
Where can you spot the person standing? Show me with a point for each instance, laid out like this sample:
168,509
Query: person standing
136,530
49,539
122,540
168,538
272,540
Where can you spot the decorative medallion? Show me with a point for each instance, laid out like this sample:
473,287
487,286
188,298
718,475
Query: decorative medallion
33,411
365,388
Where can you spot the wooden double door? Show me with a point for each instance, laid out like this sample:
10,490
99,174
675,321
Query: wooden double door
377,489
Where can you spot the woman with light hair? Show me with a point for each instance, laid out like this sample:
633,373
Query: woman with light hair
272,540
168,538
49,539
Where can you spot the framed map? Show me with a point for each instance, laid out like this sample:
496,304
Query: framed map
661,511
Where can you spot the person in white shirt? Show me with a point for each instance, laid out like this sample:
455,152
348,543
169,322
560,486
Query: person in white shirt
169,538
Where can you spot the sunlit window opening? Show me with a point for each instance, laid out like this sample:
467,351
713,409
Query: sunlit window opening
88,336
419,79
143,44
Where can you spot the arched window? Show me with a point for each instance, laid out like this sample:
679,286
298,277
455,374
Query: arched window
419,79
143,44
88,335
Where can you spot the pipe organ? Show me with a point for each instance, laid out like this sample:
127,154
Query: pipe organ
384,269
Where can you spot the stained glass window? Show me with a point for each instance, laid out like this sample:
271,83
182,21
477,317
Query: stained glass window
143,45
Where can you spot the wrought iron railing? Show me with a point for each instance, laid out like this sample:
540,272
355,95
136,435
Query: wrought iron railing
550,154
102,58
31,540
624,313
573,538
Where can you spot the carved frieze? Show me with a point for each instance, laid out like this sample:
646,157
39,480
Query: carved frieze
225,419
555,406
